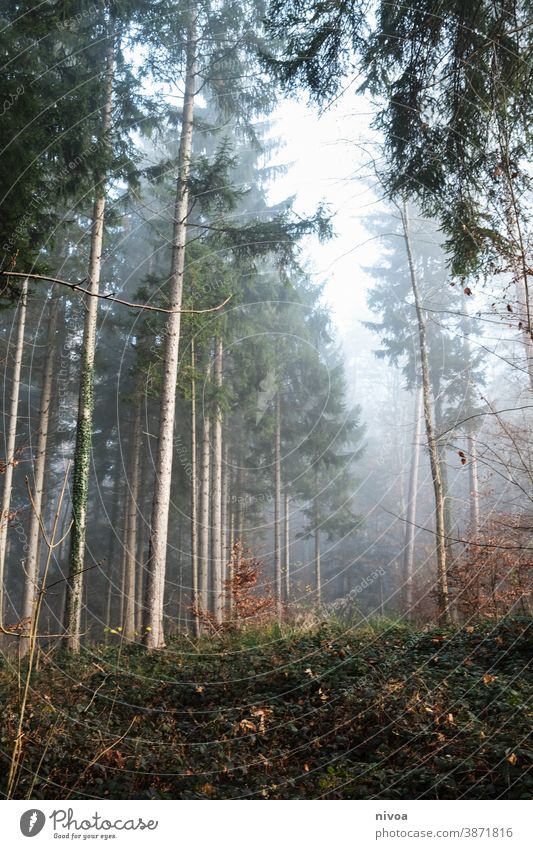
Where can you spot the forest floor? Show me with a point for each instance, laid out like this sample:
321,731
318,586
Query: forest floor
382,711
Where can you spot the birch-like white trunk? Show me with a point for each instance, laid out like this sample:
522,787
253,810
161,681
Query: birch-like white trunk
31,566
84,427
157,553
11,439
433,448
216,508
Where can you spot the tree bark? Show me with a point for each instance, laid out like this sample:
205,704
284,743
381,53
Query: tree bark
224,524
287,565
31,569
12,438
84,427
277,508
205,492
440,524
194,500
131,541
409,549
474,484
156,566
216,509
318,569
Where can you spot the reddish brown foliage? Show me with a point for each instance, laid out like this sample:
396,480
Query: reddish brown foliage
495,574
246,602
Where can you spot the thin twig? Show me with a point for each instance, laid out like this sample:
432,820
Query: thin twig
111,297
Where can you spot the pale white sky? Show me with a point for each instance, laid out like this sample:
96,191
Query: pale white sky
329,155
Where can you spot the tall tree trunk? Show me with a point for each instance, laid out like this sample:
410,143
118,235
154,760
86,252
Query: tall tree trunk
318,569
239,516
112,547
409,548
156,566
287,564
474,483
277,508
440,524
216,510
448,512
12,438
230,565
141,553
194,500
84,427
224,524
131,541
31,569
205,493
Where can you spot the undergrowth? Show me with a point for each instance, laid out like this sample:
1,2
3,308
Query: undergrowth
381,711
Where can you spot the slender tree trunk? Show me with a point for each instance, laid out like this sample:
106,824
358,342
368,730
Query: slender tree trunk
155,582
124,560
277,509
318,571
131,541
229,575
239,518
11,438
216,520
287,565
205,492
409,549
224,524
194,500
145,487
84,428
448,511
31,576
440,525
111,556
474,483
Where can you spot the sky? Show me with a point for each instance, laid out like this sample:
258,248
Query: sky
329,156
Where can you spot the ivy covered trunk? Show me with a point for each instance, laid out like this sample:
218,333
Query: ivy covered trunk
157,553
84,427
11,438
31,568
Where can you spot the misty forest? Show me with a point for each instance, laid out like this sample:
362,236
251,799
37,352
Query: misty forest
266,338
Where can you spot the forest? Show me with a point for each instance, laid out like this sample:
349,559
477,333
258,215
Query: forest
267,356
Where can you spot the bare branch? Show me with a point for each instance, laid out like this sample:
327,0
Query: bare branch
111,297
